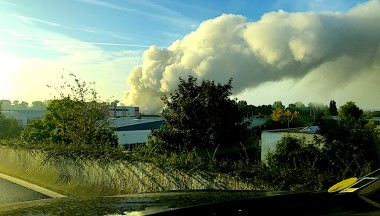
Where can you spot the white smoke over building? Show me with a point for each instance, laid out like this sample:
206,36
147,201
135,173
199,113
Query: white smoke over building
325,51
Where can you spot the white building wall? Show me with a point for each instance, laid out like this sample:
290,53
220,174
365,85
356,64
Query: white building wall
132,137
269,140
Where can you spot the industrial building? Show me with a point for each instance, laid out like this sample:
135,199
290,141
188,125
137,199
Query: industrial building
122,111
132,131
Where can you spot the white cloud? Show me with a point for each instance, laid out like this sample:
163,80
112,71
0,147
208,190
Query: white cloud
313,55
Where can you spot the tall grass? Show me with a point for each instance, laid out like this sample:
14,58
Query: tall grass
89,177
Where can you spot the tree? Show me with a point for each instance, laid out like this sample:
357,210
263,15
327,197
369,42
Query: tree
298,106
292,107
76,117
294,165
332,108
9,128
201,116
47,102
243,106
1,109
38,105
351,142
350,112
6,104
284,116
278,105
255,111
40,131
16,104
23,105
346,148
264,110
114,103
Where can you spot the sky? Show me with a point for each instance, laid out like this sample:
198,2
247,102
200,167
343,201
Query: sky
136,50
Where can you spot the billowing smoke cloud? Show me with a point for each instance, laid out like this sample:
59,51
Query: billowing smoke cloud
331,49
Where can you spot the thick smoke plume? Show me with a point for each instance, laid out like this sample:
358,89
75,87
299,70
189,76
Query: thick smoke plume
329,50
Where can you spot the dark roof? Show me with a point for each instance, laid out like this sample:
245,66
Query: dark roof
142,126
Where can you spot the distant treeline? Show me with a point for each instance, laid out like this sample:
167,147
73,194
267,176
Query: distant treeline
267,110
23,105
310,109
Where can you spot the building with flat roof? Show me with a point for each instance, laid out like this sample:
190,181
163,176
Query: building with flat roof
132,130
270,138
122,111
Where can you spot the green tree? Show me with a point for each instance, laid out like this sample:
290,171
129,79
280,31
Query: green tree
76,117
350,112
16,104
244,107
47,102
346,148
351,142
39,131
6,104
292,107
9,128
38,105
293,151
24,105
255,111
249,110
332,108
201,116
294,165
299,107
264,110
114,103
278,105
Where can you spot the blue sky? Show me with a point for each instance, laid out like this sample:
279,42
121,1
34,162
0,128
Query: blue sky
134,24
102,40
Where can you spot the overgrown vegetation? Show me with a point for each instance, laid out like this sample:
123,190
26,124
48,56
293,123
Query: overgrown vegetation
207,131
345,148
75,126
9,128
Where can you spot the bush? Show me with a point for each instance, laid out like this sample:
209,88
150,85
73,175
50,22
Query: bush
9,128
76,117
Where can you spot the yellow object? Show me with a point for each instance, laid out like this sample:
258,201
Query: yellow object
342,185
349,190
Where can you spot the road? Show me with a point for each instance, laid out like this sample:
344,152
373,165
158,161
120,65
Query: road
11,193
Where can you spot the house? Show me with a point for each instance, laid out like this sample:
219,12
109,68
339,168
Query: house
269,138
135,130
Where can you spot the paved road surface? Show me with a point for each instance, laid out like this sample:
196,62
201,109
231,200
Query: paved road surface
11,193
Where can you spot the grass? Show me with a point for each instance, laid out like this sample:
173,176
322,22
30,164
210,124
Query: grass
88,177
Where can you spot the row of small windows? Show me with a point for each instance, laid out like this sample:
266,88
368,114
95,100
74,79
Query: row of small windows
119,109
